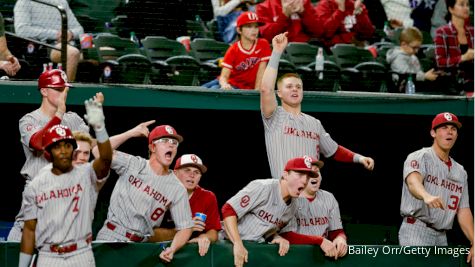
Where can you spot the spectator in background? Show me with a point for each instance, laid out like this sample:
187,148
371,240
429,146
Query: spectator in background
43,23
297,17
403,59
245,61
344,21
438,17
189,169
8,62
226,13
421,12
454,45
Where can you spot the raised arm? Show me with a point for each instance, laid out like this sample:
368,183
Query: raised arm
95,117
268,98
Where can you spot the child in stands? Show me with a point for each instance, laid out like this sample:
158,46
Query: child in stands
245,60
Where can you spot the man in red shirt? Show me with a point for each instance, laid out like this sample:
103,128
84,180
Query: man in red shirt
297,17
343,21
188,169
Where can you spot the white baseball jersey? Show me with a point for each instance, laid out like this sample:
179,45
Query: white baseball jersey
141,197
317,216
32,123
63,205
260,209
439,180
288,136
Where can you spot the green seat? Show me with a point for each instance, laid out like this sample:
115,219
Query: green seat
348,55
120,60
327,81
197,29
208,52
301,54
171,63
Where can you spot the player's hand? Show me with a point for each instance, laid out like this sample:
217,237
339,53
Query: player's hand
226,86
279,42
434,202
61,104
203,244
367,162
167,254
94,114
468,55
141,130
340,245
329,248
240,255
470,258
284,245
199,224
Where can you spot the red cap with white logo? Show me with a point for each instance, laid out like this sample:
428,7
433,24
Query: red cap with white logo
301,164
445,118
163,131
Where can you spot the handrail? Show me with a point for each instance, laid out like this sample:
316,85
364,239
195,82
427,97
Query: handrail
64,31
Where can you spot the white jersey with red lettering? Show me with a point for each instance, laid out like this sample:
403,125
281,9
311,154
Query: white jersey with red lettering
260,209
63,206
140,199
288,136
316,216
449,183
32,123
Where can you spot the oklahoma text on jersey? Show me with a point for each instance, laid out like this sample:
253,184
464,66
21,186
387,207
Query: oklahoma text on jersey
59,193
301,133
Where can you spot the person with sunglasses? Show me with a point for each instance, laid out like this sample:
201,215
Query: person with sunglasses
146,189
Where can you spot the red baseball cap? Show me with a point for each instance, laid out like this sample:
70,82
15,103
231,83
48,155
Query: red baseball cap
247,18
53,79
163,131
190,160
445,118
302,164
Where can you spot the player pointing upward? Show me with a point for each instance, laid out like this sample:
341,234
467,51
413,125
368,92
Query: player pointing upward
289,132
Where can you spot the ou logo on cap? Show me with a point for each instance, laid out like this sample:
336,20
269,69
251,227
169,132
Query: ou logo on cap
447,116
193,158
60,131
308,161
169,129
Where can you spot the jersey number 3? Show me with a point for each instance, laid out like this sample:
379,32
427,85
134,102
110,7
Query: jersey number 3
455,202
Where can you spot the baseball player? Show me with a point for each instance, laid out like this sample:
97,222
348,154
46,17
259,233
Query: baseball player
435,190
189,169
146,189
53,86
318,214
262,208
289,132
59,204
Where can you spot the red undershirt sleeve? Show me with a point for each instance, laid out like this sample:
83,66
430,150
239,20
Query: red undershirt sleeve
227,210
299,239
334,234
343,154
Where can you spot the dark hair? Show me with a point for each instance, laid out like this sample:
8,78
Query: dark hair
449,3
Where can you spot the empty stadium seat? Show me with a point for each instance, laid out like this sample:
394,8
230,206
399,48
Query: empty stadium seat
120,60
301,54
328,81
348,55
171,63
367,76
208,52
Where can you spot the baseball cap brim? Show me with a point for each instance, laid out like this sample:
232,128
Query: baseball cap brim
311,173
202,168
455,123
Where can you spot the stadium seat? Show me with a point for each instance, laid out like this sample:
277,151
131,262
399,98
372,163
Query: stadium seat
120,60
286,66
327,81
208,52
301,54
171,63
367,76
348,55
198,29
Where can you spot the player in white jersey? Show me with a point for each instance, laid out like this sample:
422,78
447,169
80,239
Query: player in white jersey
318,214
435,190
262,208
146,189
59,204
53,86
288,132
